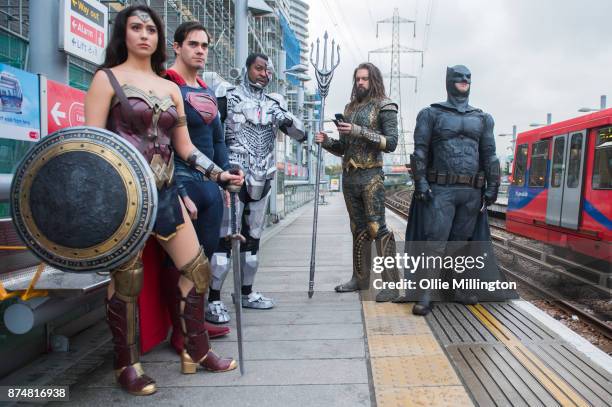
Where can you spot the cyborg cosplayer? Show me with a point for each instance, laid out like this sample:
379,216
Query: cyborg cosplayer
251,120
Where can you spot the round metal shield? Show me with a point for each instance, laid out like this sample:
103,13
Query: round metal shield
84,199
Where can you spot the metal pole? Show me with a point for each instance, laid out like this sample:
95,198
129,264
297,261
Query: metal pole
241,33
313,248
22,317
300,101
237,238
513,136
44,56
324,76
602,103
313,131
548,118
5,186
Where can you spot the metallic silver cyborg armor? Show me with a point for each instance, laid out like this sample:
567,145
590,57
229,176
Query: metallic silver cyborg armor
250,130
253,118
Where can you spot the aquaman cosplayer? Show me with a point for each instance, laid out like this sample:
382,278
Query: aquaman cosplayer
368,129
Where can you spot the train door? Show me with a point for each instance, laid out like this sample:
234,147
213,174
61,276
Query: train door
557,175
572,194
566,176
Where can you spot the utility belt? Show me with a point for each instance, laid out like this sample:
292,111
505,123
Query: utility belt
352,165
442,178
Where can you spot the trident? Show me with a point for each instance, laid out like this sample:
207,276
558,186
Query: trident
324,76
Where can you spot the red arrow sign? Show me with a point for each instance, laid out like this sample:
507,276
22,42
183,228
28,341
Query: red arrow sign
65,106
86,31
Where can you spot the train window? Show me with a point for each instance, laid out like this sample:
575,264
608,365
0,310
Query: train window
537,171
602,169
557,163
518,178
575,156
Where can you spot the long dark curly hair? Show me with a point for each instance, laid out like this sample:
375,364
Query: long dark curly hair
116,51
377,86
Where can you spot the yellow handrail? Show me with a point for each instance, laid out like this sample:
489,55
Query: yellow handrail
30,292
13,248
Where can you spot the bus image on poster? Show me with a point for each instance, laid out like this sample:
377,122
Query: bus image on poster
19,104
11,96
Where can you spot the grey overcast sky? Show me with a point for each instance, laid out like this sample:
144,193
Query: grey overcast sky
527,57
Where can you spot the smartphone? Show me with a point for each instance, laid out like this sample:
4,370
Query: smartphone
340,118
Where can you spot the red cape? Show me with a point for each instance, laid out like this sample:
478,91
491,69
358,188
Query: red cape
153,301
159,285
175,77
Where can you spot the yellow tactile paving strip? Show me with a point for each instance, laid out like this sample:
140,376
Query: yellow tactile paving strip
561,391
423,396
409,367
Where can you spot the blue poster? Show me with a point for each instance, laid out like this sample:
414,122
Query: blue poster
19,104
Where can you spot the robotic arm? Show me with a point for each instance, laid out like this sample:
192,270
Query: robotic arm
285,120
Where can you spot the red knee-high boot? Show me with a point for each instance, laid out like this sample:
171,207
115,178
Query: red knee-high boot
191,309
121,318
176,339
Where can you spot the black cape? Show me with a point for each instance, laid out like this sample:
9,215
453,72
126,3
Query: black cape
479,245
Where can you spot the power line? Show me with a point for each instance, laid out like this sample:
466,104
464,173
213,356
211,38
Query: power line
370,12
399,157
348,43
428,22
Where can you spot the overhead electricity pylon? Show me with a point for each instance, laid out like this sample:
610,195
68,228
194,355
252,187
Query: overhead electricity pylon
400,157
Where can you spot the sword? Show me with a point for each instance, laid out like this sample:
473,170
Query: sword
237,238
324,76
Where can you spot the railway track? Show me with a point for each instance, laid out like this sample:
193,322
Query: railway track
399,202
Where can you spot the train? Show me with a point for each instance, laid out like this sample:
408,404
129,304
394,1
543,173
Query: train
561,187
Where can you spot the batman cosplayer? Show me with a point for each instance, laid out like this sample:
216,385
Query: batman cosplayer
456,174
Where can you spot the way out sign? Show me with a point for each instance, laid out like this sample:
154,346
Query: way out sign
65,106
84,29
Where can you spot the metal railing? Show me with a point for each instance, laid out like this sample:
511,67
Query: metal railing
297,195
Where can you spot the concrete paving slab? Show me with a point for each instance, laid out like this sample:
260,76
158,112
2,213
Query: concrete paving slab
275,350
303,317
258,373
344,395
298,332
306,352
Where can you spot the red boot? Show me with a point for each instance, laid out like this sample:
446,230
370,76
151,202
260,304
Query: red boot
216,331
121,318
197,349
176,339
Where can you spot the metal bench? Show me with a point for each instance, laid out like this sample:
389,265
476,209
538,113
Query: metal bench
43,292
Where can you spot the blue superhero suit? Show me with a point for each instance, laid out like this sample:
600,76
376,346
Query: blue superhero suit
206,133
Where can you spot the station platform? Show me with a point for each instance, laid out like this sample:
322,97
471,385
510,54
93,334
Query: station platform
346,350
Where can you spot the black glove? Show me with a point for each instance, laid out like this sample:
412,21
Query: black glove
422,191
490,195
493,180
285,123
